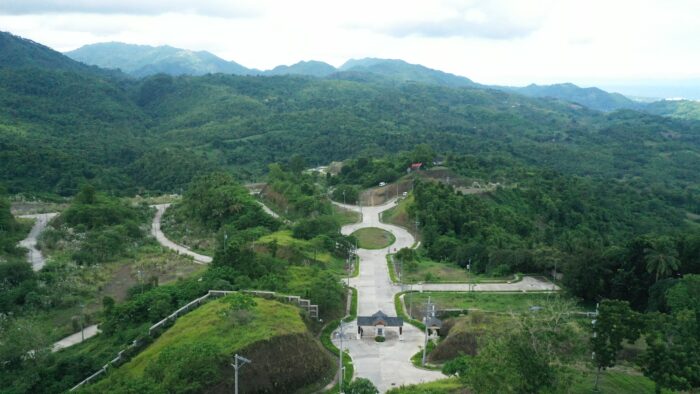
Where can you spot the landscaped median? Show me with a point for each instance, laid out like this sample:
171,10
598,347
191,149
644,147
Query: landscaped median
373,238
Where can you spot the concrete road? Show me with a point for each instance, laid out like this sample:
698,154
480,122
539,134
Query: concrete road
163,240
527,283
34,255
386,364
88,332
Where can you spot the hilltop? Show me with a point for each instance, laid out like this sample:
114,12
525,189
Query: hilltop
196,351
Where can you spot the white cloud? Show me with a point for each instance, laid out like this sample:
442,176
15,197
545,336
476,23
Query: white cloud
129,7
503,42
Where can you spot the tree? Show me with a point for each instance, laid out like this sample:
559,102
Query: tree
662,258
616,322
672,357
361,386
326,292
526,358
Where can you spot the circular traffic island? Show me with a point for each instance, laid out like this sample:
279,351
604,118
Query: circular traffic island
373,238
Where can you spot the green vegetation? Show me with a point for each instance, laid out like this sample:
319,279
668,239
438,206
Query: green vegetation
11,232
488,302
64,123
398,215
443,386
195,352
612,381
400,312
373,238
585,227
214,205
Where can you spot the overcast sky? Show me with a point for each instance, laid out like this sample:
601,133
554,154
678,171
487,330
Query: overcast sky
496,42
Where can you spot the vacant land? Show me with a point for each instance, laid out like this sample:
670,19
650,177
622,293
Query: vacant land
373,238
491,302
345,216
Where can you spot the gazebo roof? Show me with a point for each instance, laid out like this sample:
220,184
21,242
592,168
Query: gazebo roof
380,318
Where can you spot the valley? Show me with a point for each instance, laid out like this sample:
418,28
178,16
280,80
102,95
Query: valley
376,227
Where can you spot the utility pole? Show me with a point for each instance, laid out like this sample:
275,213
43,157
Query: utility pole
343,197
340,360
595,335
236,366
82,321
425,344
410,301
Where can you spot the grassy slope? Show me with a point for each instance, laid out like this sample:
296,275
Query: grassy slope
373,238
204,324
492,302
398,216
443,386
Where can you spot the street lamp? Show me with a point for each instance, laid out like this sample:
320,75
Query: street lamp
340,360
236,366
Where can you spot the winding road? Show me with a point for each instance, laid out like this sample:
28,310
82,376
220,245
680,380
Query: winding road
388,364
34,255
163,240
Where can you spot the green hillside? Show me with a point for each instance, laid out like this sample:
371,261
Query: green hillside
197,351
593,98
62,128
685,109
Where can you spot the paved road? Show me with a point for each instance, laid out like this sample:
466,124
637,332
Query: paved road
76,338
163,240
386,364
34,255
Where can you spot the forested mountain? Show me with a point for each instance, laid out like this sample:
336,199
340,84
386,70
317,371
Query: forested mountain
313,68
21,52
401,71
684,109
590,97
61,128
145,60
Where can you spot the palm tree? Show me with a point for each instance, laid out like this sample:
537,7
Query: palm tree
661,258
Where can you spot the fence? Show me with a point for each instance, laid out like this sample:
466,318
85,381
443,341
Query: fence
155,329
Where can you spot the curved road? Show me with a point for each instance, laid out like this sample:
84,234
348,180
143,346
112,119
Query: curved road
34,255
163,240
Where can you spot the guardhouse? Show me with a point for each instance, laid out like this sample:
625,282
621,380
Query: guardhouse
380,321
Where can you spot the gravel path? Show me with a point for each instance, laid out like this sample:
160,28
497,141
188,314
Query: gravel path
34,255
163,240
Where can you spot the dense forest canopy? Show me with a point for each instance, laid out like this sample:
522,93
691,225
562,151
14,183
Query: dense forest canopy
63,125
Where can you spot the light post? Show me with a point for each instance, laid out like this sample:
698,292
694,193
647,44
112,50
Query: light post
340,360
343,197
236,366
425,344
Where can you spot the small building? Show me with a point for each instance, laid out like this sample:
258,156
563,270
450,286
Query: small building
415,167
380,321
